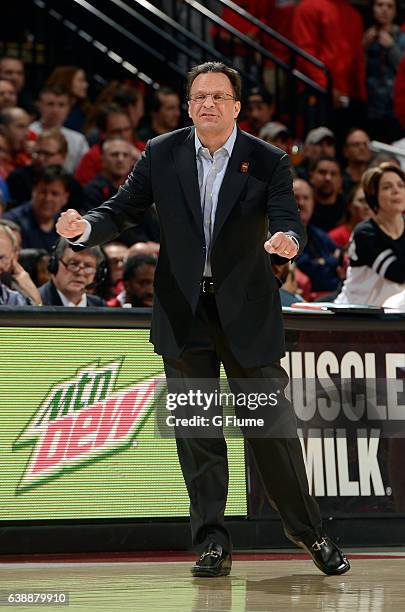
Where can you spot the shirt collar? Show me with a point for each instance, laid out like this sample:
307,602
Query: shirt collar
67,302
228,145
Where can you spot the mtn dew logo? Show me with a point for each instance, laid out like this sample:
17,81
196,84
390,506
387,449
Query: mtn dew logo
83,418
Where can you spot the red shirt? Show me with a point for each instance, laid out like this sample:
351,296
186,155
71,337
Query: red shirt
341,235
332,31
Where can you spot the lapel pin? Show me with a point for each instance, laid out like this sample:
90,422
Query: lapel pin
244,167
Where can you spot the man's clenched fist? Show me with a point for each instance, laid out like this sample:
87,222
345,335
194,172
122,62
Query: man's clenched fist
281,244
70,224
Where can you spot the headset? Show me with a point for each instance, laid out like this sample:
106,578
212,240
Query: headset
59,248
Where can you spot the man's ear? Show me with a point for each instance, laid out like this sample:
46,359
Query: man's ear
188,109
236,109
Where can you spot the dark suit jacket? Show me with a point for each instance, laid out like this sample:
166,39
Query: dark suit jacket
50,296
249,205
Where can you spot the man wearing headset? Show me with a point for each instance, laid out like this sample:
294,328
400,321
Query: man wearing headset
72,274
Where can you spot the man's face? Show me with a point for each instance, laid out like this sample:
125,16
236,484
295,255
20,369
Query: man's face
48,199
6,253
118,159
8,95
356,148
18,129
305,199
136,112
168,115
75,272
119,125
46,152
258,112
53,109
139,289
13,70
116,256
326,179
211,117
326,147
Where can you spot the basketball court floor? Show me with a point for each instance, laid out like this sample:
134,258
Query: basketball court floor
262,582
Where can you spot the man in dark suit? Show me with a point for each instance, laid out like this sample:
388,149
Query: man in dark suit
71,275
218,192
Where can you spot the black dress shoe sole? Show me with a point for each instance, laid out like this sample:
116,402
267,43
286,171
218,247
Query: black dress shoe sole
200,572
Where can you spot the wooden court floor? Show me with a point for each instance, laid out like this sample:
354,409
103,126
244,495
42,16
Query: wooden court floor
277,583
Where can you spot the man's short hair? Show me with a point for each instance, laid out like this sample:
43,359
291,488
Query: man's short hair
155,102
61,245
56,90
134,262
315,163
216,67
56,135
104,111
52,173
7,115
262,92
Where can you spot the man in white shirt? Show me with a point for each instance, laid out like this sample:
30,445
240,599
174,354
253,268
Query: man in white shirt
54,106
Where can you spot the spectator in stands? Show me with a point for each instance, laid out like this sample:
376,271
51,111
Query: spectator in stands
11,272
356,151
72,274
384,45
289,290
12,69
16,229
49,149
326,179
332,31
138,275
321,258
116,254
37,217
357,210
35,262
164,117
144,248
276,134
53,106
259,110
399,95
118,158
73,80
15,122
128,99
112,122
380,158
318,142
377,247
8,95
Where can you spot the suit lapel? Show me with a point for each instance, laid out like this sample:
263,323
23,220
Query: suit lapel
186,166
233,182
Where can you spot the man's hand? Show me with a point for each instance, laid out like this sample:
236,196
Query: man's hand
24,281
281,244
70,224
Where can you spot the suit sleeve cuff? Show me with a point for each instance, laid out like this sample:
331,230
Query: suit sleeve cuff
79,240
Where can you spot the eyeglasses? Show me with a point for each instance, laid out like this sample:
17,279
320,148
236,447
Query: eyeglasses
74,266
46,154
217,97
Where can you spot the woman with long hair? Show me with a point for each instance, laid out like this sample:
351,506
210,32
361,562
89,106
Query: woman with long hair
73,80
357,210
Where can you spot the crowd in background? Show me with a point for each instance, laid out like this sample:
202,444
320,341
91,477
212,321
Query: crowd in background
59,149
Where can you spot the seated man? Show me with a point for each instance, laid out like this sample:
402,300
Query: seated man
321,257
37,218
72,274
138,275
12,273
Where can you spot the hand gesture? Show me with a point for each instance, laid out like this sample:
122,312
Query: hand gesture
70,224
281,244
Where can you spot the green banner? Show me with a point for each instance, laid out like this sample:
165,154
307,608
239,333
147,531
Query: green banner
77,435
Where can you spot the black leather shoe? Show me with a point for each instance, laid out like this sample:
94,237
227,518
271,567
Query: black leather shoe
325,554
213,562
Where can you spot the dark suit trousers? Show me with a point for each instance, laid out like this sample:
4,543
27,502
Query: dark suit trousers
204,461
